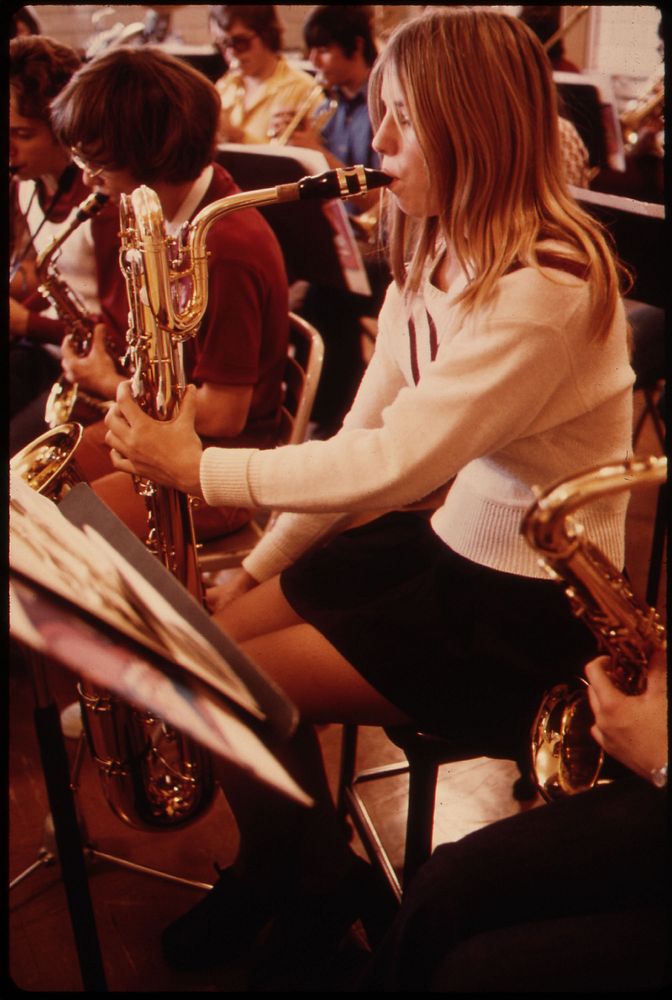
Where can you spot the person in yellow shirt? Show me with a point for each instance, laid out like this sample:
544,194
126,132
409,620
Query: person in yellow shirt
259,82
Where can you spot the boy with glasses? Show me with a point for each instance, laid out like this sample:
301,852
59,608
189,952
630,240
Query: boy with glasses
140,116
259,82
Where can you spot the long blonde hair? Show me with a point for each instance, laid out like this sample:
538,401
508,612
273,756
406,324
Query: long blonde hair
479,91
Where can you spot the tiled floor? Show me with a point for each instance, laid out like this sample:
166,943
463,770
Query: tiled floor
131,908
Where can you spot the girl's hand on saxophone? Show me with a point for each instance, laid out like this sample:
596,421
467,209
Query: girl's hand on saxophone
167,452
632,728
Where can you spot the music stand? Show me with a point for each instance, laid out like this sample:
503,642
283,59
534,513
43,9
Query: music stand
638,230
315,236
252,719
56,771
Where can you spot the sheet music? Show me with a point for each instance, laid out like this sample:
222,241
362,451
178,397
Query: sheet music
112,665
345,244
84,568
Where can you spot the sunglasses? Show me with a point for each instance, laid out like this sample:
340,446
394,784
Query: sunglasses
92,169
239,43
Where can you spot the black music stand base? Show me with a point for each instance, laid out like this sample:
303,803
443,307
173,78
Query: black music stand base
56,769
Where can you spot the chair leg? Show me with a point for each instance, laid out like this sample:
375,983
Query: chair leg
423,775
347,767
657,546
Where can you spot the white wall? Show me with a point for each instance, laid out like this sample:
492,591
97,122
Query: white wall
622,40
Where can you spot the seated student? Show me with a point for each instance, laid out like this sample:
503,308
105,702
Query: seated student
259,81
570,897
340,44
160,131
501,364
46,189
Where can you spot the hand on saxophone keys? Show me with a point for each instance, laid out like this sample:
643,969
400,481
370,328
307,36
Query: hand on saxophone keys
167,452
632,728
94,371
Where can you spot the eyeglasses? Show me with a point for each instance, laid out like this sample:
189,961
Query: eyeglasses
239,43
92,169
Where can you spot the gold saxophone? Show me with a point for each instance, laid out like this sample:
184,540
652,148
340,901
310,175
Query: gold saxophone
153,776
167,284
49,463
565,758
67,401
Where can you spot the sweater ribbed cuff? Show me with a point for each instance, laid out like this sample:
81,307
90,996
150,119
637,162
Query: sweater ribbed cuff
224,477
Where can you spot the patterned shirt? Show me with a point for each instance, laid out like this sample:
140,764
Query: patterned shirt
574,154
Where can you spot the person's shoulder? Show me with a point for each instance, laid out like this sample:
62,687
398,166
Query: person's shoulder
295,75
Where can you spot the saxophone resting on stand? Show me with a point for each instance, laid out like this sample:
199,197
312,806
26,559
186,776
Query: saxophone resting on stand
67,401
565,758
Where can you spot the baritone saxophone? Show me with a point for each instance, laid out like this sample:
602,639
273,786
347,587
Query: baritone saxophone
152,775
565,758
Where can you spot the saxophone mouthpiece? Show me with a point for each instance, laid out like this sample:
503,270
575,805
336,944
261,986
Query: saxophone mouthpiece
344,182
91,205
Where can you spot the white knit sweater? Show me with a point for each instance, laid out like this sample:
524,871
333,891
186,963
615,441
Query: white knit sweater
517,395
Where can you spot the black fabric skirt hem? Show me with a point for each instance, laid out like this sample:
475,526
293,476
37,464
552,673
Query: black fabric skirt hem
465,650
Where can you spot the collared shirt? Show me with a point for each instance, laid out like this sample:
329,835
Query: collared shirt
285,90
349,133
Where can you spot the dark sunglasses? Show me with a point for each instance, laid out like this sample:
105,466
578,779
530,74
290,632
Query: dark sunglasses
239,43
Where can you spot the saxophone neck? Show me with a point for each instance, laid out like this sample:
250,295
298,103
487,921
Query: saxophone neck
599,593
87,209
547,525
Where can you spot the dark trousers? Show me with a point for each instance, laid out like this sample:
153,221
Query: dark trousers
569,896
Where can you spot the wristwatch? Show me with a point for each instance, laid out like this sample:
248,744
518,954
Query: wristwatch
659,776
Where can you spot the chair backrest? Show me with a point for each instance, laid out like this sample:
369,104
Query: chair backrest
305,355
302,228
581,104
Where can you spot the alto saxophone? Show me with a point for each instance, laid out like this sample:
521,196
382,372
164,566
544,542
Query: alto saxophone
67,401
565,758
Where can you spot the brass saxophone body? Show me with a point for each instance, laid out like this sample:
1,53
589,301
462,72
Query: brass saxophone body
156,332
67,401
565,758
167,284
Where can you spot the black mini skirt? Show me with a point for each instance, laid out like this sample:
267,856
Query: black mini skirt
465,650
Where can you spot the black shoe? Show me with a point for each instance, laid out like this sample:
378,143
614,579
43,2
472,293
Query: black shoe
305,937
220,928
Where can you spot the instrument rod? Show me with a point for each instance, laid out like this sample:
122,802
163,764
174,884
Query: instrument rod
564,28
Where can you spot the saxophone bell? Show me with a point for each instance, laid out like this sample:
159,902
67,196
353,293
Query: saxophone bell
49,464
